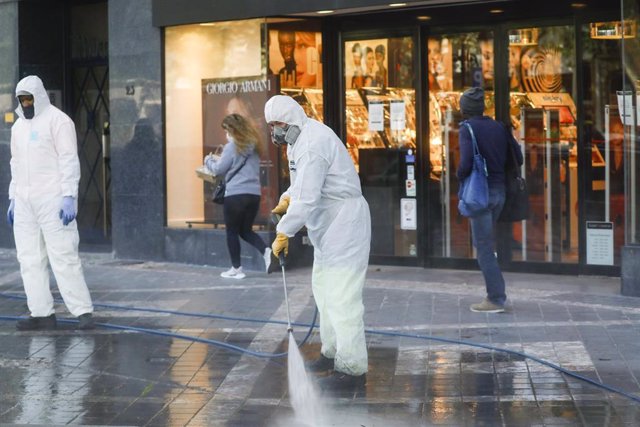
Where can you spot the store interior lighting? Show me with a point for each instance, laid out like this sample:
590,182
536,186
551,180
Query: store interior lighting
524,37
613,30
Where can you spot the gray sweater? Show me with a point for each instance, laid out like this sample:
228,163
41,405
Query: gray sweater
247,179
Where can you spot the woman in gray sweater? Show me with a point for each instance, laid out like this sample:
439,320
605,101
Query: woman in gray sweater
240,157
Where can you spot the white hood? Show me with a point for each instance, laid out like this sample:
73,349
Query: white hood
32,85
280,108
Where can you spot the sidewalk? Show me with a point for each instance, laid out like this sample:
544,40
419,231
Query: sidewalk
127,378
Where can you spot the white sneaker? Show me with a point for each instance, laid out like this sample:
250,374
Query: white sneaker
233,273
267,259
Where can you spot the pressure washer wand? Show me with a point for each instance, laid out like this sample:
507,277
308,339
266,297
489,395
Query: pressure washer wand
286,297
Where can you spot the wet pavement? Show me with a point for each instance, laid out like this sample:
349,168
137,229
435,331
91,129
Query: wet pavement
138,377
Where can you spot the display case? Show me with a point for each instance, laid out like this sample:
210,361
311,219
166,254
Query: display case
380,118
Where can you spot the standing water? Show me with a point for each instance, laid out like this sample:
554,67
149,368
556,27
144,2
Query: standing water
302,391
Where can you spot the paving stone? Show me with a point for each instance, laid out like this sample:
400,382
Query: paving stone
122,377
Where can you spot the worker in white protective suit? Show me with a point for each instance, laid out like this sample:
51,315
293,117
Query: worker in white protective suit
325,196
43,193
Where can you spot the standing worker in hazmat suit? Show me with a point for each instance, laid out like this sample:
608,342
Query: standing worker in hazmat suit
325,196
43,193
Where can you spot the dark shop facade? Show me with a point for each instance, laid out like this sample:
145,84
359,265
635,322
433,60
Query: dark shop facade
148,82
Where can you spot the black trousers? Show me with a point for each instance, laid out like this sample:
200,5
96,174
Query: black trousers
239,213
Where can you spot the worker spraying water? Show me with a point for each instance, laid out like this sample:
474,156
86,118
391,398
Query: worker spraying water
325,196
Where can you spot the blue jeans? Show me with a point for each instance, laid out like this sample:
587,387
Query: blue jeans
483,232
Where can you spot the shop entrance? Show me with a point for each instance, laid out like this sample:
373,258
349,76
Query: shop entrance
379,82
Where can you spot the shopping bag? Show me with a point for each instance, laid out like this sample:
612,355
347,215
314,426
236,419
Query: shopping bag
473,193
516,202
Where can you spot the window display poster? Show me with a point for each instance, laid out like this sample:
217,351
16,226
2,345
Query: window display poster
366,63
408,214
398,115
294,56
599,243
376,116
245,96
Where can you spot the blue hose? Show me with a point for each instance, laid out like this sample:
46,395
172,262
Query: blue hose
311,326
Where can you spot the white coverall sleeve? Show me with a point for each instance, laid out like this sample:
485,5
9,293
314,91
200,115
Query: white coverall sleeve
14,170
305,192
222,166
67,148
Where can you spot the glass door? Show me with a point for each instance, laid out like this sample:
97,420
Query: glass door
381,137
456,62
543,115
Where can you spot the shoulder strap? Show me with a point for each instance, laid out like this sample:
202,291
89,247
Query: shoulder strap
233,173
473,137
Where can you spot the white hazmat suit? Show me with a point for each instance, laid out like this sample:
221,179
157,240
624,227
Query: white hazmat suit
45,168
326,198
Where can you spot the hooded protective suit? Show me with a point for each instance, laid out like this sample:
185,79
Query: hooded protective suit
326,198
45,168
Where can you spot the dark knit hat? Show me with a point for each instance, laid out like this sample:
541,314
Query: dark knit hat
472,102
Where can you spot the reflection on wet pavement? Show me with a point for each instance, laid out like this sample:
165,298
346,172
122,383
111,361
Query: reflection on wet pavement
114,377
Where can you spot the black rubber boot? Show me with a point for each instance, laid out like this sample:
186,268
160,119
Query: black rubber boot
85,321
321,364
341,382
37,323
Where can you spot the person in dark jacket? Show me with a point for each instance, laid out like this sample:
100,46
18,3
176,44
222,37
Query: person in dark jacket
492,139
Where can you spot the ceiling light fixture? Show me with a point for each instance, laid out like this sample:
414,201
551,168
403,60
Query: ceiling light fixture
324,12
496,11
397,4
423,18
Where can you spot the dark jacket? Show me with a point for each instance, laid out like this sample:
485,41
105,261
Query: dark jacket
493,139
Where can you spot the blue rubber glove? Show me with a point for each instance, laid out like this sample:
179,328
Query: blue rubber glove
12,206
68,210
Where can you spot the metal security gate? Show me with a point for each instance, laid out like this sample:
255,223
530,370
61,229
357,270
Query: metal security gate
90,82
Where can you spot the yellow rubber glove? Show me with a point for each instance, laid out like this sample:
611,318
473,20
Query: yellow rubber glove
282,207
281,243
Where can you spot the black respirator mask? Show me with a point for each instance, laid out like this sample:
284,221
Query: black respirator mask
284,135
29,111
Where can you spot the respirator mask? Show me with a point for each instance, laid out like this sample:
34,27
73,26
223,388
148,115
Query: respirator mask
29,111
284,135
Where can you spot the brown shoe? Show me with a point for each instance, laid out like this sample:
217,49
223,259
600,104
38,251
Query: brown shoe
486,306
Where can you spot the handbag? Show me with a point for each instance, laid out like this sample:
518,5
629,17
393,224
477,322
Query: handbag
221,188
473,193
516,201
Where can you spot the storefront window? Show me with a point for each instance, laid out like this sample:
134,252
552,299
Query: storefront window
195,56
215,69
631,52
295,62
381,138
610,132
456,62
543,114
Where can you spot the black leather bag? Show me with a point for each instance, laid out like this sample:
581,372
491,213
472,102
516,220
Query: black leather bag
218,192
516,203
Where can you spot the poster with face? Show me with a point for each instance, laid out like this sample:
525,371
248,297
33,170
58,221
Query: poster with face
294,56
366,63
245,96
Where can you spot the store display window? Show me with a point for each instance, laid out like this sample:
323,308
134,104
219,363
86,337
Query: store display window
215,69
381,137
544,121
609,136
455,62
